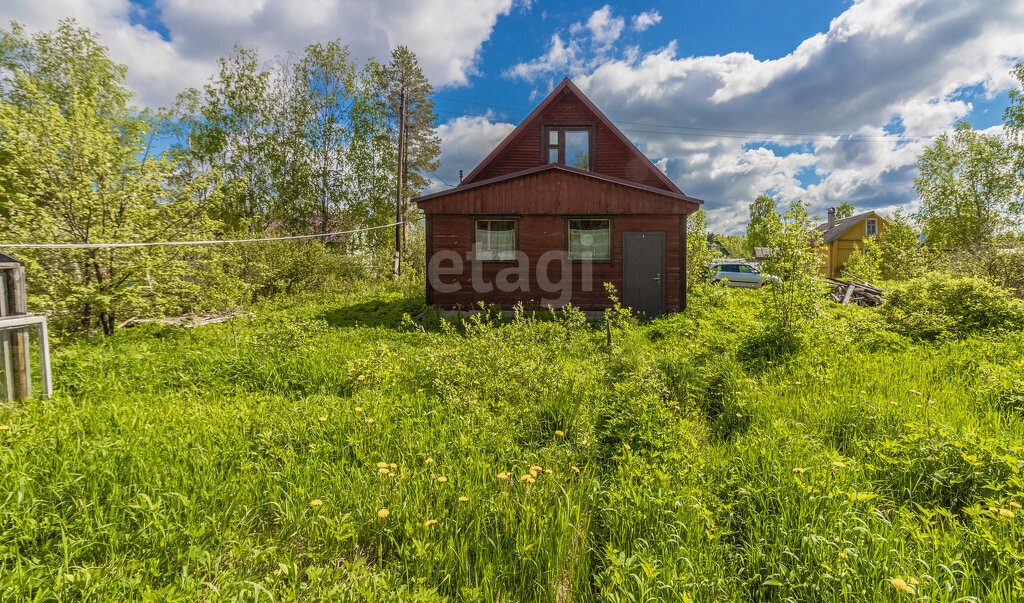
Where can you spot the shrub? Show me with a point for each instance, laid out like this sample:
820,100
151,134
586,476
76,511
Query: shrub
929,306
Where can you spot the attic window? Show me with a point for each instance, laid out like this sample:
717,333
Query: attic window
871,227
568,145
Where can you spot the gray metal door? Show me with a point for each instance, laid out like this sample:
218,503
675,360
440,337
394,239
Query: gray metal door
643,272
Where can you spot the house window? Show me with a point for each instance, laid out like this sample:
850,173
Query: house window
871,227
569,145
590,239
495,240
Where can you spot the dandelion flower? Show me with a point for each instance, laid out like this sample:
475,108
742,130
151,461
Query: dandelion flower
739,415
429,461
430,522
626,446
442,479
475,382
382,464
533,472
796,383
916,393
322,419
899,583
1014,504
393,465
463,499
798,470
913,581
528,478
316,502
419,389
4,427
368,419
839,464
586,443
502,475
359,409
575,468
360,377
560,433
1006,513
549,471
383,470
383,513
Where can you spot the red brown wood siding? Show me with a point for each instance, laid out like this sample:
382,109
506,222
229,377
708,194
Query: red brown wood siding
611,156
542,233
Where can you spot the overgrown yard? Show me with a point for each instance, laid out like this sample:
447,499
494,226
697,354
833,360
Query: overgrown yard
331,449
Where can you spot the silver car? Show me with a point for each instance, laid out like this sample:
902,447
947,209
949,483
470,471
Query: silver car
738,274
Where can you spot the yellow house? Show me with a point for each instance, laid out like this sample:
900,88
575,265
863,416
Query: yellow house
842,238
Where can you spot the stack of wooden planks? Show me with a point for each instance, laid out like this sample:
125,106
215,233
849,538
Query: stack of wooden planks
855,291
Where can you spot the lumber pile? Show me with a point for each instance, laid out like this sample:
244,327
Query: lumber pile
855,291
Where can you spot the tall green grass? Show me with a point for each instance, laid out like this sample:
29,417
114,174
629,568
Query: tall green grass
253,460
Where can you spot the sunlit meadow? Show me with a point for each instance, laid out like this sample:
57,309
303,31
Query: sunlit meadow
359,448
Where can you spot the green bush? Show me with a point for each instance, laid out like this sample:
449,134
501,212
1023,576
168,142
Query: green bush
937,304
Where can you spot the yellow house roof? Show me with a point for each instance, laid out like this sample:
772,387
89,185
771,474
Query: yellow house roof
841,227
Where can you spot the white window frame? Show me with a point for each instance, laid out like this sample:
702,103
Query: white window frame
871,227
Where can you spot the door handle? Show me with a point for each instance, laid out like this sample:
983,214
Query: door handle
657,278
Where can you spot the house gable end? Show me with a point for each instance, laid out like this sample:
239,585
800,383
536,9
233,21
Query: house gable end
613,154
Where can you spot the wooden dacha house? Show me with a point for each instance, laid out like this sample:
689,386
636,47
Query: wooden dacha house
563,205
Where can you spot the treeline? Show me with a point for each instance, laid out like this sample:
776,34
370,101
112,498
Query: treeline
971,190
307,143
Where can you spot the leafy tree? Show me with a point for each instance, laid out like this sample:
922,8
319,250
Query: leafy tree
902,256
969,191
761,210
76,167
867,264
796,296
229,127
844,210
402,78
698,255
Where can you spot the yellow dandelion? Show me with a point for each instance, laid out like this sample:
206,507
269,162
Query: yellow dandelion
534,472
549,471
1006,513
503,475
839,464
429,461
626,446
393,465
894,402
430,522
368,419
383,470
916,393
769,362
528,478
360,377
842,554
382,464
1014,504
796,383
442,479
586,443
419,389
913,581
4,427
383,513
463,499
798,470
390,474
475,382
575,468
316,502
560,433
918,405
899,584
322,419
739,415
359,409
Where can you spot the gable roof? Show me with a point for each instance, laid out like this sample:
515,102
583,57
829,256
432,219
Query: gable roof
841,227
6,259
528,127
562,168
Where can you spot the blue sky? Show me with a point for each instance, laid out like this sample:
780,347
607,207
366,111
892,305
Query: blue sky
816,100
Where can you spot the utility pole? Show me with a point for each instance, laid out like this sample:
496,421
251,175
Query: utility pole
399,188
